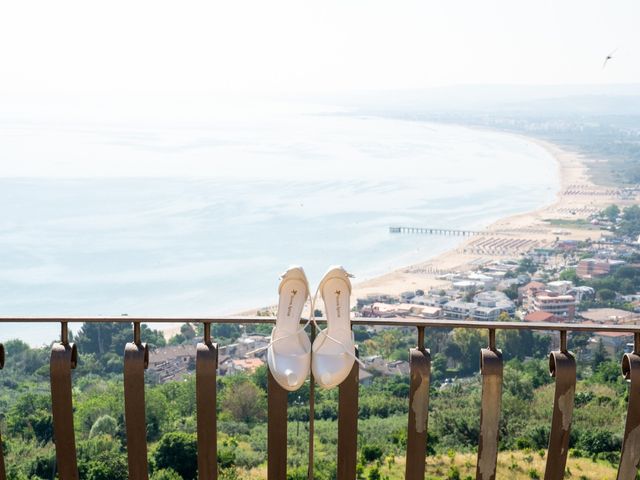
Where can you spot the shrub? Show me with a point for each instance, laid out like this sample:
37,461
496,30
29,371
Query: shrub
104,425
374,474
371,453
226,457
598,441
166,474
453,473
178,451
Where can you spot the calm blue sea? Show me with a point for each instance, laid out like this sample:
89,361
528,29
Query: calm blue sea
148,217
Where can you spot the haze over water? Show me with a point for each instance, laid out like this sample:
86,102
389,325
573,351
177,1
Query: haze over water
158,216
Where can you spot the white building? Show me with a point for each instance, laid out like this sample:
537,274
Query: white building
485,306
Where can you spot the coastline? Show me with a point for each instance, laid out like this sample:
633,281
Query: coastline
528,226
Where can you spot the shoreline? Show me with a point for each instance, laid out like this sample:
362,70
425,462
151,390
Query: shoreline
529,226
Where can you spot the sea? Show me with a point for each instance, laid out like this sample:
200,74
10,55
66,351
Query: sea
165,210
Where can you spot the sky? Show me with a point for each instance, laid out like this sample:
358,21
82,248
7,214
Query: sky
276,47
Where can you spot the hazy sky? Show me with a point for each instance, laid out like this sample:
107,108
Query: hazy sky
301,46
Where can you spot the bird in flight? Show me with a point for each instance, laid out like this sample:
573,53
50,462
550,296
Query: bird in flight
608,57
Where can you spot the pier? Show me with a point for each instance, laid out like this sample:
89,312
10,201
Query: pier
437,231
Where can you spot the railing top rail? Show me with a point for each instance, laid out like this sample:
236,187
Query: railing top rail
358,321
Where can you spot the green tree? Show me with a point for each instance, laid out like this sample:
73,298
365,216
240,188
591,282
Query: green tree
101,338
177,451
101,458
469,342
15,347
244,401
598,440
630,224
225,330
571,275
527,265
30,417
606,295
611,212
599,356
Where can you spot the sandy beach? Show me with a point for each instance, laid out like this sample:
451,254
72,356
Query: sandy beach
577,198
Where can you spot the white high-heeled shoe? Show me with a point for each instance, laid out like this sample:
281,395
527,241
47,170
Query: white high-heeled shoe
289,351
333,350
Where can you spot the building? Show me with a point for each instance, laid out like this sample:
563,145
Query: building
378,364
582,292
525,292
388,310
468,285
458,309
172,362
238,365
595,267
560,286
485,306
562,306
614,342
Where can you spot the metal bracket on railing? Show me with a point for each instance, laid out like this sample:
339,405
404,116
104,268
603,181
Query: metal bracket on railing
136,360
562,366
3,474
64,358
630,456
420,375
206,365
491,369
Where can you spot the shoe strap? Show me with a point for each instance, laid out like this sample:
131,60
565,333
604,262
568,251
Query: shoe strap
272,342
346,349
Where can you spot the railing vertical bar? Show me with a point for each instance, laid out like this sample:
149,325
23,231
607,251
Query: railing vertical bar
312,413
562,366
64,358
136,360
206,365
491,368
420,376
3,473
348,425
630,456
276,430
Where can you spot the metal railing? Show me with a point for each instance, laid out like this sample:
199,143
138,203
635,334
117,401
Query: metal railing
562,366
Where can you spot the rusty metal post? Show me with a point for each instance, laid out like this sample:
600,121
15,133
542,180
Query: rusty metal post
136,360
562,366
491,368
276,430
3,473
348,424
420,373
630,456
312,411
64,358
206,365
